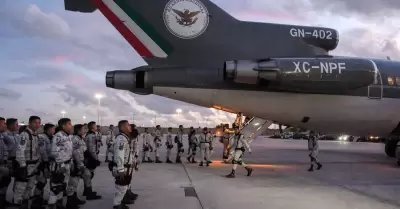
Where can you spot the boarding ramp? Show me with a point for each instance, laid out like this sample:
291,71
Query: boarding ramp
253,128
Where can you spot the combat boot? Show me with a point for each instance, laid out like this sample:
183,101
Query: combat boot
311,168
158,160
188,159
201,163
106,159
319,166
149,160
249,171
168,161
178,160
90,195
60,204
24,204
77,200
71,203
193,160
3,201
122,206
231,175
132,195
38,203
207,163
126,200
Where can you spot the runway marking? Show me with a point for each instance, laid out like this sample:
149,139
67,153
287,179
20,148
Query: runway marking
191,183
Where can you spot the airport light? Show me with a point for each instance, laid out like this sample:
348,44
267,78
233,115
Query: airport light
84,118
63,113
98,97
179,111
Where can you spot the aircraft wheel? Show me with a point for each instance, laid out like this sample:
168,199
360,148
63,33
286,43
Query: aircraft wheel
390,147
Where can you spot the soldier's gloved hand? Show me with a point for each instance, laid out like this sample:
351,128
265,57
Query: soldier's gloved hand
121,175
62,170
23,172
82,169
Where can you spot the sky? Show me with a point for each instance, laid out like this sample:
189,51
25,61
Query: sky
53,60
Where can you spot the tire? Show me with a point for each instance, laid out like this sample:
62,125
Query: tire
390,147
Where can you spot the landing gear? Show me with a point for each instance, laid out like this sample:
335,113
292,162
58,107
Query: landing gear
391,145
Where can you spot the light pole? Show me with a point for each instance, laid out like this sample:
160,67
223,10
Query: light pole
98,96
63,113
84,118
133,118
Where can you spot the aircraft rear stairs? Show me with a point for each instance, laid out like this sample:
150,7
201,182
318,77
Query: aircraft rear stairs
253,128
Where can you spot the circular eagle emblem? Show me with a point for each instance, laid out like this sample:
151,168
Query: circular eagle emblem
186,19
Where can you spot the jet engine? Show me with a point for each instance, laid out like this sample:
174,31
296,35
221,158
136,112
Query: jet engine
303,74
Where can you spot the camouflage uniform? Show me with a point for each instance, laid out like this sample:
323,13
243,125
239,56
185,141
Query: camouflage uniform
170,145
28,159
5,177
157,143
124,154
60,167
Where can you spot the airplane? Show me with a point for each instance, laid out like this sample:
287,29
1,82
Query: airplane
198,53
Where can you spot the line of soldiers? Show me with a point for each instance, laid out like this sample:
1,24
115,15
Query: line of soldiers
204,141
61,157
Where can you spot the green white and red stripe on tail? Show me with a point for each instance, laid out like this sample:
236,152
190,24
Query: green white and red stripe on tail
139,33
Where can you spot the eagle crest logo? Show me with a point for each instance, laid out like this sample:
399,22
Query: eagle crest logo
185,18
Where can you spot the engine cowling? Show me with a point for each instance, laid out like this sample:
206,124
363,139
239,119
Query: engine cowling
131,80
303,74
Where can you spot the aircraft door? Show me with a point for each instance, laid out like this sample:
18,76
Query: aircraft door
375,90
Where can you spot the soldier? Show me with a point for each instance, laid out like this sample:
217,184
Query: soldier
135,144
28,160
44,167
99,139
179,143
91,159
147,148
193,145
5,177
79,170
169,144
109,141
157,143
60,166
205,139
123,159
239,145
225,141
11,139
85,126
313,148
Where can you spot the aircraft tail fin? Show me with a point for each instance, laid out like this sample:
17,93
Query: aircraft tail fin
199,33
159,29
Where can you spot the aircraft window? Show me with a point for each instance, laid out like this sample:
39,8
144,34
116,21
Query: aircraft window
398,81
390,81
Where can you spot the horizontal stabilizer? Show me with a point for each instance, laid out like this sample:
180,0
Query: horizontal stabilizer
84,6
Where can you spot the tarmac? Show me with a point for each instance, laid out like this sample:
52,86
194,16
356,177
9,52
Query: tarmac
354,175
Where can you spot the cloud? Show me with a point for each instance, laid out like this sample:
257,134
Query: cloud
10,94
58,59
368,8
